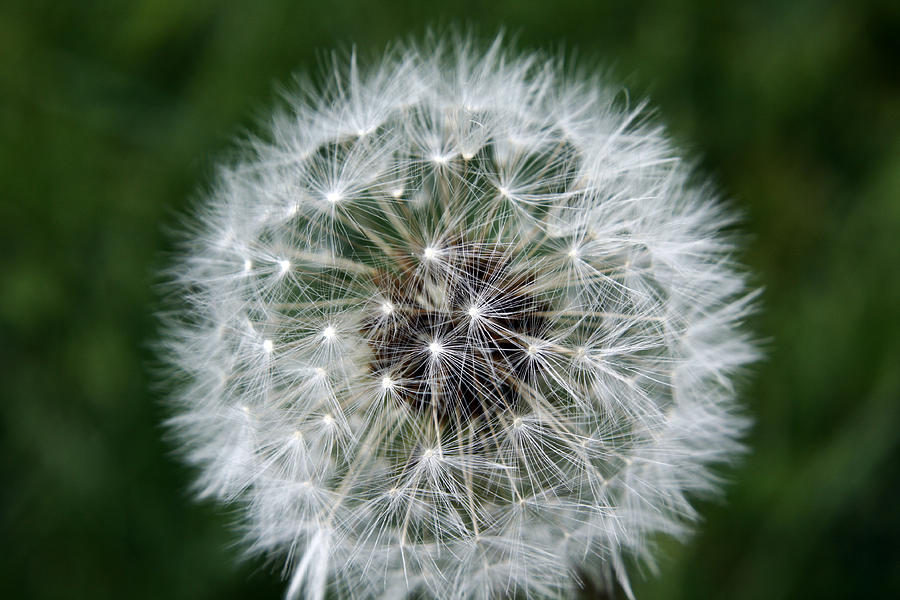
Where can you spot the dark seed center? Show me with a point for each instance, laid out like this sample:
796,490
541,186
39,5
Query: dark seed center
456,342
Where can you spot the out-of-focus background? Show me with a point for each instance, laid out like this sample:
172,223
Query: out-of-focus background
112,114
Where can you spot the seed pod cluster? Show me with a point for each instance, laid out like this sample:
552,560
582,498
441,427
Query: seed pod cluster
460,326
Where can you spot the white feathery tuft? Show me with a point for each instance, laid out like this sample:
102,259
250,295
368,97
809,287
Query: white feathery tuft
461,327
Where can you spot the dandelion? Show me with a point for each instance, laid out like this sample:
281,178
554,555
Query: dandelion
459,327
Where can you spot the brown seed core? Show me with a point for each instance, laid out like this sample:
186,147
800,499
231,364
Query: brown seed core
456,342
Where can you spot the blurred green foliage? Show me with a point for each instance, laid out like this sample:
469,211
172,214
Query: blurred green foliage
112,114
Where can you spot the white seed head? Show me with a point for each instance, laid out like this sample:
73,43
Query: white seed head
564,318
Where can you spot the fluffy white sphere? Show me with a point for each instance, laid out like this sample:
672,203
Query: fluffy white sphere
460,327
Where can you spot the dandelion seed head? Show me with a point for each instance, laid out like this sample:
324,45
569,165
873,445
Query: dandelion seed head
506,352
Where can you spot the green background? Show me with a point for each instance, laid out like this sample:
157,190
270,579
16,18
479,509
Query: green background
113,113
